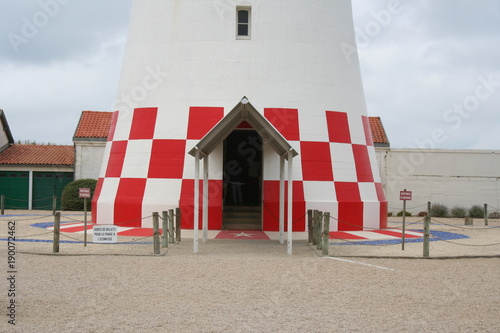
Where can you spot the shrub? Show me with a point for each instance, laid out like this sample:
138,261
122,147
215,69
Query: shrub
421,214
458,211
439,210
70,199
389,214
400,213
476,211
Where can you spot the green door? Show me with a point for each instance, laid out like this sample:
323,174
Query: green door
14,186
48,184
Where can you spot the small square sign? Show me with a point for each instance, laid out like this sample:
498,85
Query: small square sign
405,195
84,193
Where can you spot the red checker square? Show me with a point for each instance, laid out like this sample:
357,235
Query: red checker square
116,158
271,206
202,120
316,161
112,127
350,216
380,192
368,131
363,165
384,207
286,121
167,159
128,202
347,191
186,204
338,127
143,123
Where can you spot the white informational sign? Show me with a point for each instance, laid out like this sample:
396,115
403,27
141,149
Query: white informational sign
105,234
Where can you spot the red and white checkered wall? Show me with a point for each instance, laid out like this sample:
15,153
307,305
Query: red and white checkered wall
143,172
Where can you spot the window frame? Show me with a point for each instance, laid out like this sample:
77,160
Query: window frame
249,23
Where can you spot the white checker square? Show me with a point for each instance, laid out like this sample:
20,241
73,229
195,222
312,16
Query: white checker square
137,158
344,167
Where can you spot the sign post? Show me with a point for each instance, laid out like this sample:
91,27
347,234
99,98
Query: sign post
404,195
85,194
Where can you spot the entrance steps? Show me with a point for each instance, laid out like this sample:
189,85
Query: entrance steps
242,217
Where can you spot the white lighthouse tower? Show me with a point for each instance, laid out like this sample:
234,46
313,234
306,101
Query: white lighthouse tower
251,97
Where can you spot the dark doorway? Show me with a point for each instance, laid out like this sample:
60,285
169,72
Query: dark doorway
242,180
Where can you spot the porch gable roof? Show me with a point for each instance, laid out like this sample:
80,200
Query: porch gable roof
243,111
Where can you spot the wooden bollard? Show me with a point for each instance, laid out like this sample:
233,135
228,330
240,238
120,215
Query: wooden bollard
178,224
427,220
318,229
156,233
54,204
57,232
164,229
171,225
310,226
485,214
313,224
326,233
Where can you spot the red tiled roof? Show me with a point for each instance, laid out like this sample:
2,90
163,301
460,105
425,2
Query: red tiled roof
378,132
38,155
94,124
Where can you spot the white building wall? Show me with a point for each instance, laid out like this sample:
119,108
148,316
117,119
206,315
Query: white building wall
451,177
88,159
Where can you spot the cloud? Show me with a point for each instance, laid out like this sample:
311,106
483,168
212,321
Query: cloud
429,58
55,30
72,63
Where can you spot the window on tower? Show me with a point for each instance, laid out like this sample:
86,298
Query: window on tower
243,17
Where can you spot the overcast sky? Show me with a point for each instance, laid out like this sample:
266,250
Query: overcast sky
431,68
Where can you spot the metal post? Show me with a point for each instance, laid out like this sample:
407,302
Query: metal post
2,204
164,229
57,231
205,200
178,224
282,200
427,220
485,214
326,233
156,233
196,219
171,225
84,221
404,225
290,203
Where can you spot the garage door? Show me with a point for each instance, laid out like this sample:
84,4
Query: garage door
14,186
48,184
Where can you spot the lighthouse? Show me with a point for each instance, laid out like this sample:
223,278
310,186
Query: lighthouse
244,114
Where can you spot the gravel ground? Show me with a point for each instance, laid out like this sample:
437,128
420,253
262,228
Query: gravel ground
254,286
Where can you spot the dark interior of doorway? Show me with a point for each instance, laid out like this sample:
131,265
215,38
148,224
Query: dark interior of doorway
242,199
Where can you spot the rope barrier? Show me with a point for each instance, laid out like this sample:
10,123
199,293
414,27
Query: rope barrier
470,245
464,227
27,200
277,219
407,208
28,219
353,225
